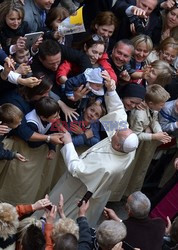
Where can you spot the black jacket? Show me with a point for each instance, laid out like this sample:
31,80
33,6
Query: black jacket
124,24
7,34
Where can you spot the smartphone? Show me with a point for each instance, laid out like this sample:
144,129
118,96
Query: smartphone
49,207
30,60
85,198
127,246
32,38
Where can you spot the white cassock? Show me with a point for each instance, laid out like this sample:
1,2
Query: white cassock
100,169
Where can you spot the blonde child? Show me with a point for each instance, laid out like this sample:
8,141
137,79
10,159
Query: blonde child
145,124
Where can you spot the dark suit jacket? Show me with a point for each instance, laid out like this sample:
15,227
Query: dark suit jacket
124,26
146,234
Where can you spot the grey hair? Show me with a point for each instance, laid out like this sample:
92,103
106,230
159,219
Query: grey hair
139,205
109,233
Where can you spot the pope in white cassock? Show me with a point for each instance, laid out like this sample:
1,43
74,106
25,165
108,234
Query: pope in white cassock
101,168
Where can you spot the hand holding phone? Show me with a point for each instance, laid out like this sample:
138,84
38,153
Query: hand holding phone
31,38
85,198
49,207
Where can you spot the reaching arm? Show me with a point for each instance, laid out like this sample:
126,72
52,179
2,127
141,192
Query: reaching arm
70,155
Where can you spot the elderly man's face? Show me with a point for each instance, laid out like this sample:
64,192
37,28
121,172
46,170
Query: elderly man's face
44,4
121,54
147,5
119,137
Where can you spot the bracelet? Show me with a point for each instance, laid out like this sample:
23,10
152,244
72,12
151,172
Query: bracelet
48,138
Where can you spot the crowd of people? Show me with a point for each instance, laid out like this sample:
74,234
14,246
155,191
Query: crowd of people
89,113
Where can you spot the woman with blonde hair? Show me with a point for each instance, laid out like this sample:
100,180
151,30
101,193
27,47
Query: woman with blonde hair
142,47
53,19
158,72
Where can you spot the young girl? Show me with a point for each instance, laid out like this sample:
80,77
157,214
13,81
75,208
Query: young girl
85,131
158,72
53,20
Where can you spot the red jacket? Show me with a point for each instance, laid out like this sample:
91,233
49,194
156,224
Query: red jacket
67,67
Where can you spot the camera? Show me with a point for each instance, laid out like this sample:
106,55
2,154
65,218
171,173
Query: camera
139,24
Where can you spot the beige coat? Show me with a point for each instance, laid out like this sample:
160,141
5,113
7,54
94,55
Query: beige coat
139,121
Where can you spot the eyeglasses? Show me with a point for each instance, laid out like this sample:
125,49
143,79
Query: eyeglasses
168,55
97,38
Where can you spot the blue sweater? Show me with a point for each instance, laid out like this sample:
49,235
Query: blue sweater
80,140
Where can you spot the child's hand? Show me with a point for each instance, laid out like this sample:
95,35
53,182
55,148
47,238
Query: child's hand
162,137
57,35
23,69
76,129
3,129
51,154
20,157
89,133
146,71
29,82
141,106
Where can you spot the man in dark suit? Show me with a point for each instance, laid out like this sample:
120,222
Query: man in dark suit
142,232
35,13
136,17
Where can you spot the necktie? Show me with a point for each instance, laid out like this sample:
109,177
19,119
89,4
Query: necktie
43,17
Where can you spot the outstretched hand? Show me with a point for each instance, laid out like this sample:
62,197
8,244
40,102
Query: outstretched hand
41,204
110,214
